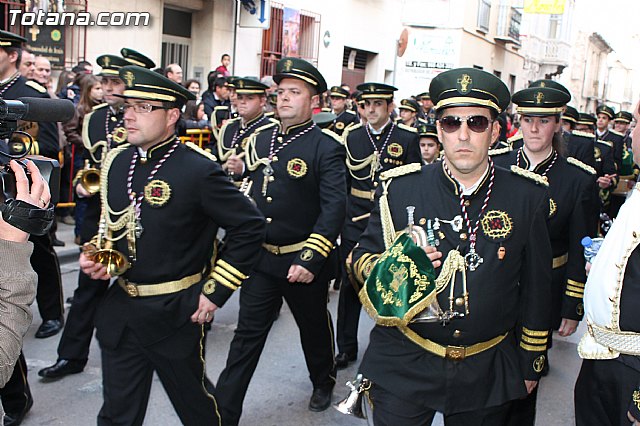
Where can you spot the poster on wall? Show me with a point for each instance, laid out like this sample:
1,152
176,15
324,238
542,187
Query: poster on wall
291,32
428,52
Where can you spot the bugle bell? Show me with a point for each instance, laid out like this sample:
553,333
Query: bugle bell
353,403
115,262
89,179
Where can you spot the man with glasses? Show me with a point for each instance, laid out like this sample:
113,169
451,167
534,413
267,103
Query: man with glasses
103,130
372,148
163,203
344,116
486,231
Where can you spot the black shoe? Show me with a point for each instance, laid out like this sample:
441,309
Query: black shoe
320,399
49,328
15,419
343,359
57,243
61,368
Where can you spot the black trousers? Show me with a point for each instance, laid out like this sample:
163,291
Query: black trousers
127,373
349,307
260,301
16,392
390,410
45,263
523,411
603,392
78,329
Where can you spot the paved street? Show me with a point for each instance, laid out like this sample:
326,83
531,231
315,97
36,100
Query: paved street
280,389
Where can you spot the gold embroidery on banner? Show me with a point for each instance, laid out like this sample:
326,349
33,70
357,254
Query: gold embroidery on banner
636,398
496,224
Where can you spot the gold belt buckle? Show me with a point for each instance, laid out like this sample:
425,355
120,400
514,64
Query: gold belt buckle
456,353
131,289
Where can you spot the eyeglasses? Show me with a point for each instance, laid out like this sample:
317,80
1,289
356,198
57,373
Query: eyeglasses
141,108
476,123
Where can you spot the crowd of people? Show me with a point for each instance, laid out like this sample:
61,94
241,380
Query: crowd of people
456,224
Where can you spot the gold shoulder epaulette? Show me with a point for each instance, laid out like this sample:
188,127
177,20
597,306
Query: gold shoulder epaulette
401,171
500,151
607,143
409,128
333,136
273,120
350,112
102,105
587,168
581,133
220,107
616,133
515,137
326,109
36,86
200,151
348,130
269,114
540,180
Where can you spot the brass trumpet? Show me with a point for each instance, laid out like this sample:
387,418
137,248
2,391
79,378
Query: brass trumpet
89,178
353,403
100,250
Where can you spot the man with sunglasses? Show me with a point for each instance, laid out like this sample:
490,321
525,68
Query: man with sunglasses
485,226
104,130
572,213
163,203
344,116
372,148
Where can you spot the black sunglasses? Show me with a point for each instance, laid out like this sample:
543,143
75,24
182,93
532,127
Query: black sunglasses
476,123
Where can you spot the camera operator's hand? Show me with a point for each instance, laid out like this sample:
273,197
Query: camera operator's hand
38,195
97,271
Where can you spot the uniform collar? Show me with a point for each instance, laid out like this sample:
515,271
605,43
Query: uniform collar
157,151
382,129
250,122
453,185
298,127
526,162
14,75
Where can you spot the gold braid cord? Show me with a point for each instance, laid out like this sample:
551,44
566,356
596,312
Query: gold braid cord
453,263
356,164
252,159
223,152
388,229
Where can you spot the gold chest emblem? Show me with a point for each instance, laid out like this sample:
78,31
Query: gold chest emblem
496,224
296,167
395,150
157,193
119,134
553,207
597,153
339,125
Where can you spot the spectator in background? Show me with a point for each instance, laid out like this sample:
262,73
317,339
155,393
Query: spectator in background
27,64
223,68
193,86
91,95
216,95
174,73
267,80
83,67
194,116
65,79
43,70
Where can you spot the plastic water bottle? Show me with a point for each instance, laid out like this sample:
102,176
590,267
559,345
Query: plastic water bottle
591,247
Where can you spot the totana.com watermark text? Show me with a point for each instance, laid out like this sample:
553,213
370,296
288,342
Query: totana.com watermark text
116,19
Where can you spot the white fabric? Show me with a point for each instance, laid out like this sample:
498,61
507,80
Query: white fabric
604,284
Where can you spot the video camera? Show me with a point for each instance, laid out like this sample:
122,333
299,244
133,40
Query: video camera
29,109
17,213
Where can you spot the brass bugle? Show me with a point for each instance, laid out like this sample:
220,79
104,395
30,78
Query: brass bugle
89,178
115,262
353,403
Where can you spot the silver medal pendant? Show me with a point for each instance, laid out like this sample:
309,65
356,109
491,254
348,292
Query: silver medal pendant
138,228
473,260
268,170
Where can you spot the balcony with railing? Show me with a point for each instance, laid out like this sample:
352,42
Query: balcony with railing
509,20
547,51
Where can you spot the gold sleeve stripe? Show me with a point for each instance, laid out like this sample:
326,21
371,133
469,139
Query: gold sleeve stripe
357,267
321,238
231,269
535,333
320,250
320,243
575,289
218,270
534,341
533,348
222,280
576,283
364,269
573,294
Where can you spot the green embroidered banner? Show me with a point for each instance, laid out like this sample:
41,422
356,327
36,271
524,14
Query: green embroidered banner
401,284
